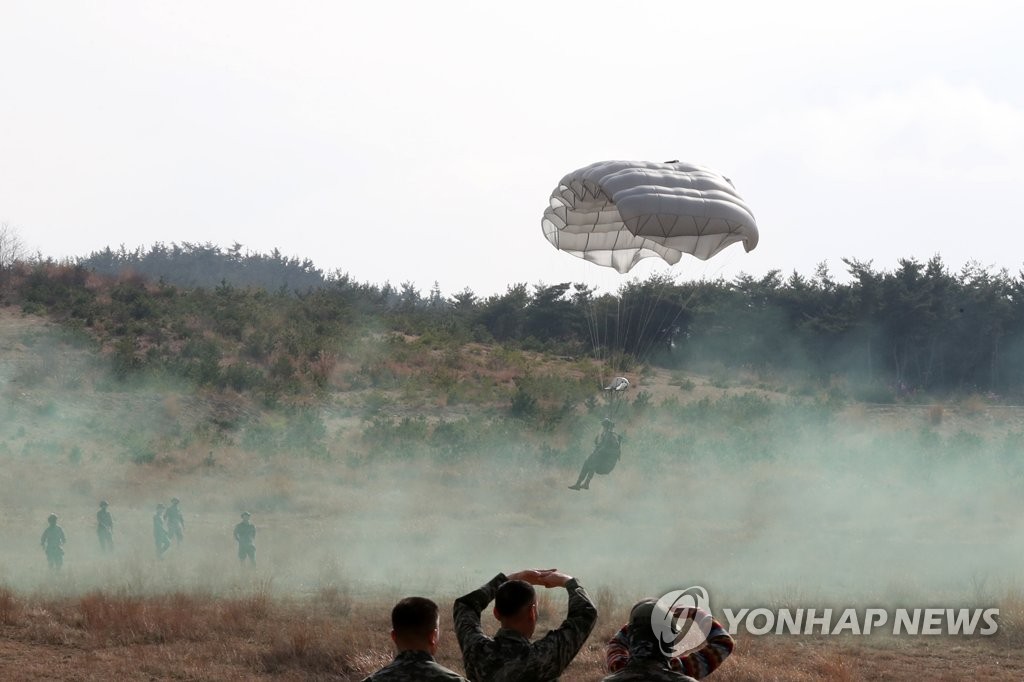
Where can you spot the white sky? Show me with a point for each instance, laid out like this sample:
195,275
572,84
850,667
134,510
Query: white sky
420,140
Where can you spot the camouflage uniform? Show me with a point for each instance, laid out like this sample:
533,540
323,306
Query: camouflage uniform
53,542
245,535
160,534
105,529
607,449
635,651
414,666
175,522
648,670
510,657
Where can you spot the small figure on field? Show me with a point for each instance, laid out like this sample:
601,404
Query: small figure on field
245,536
607,450
635,653
53,543
414,630
105,528
510,655
175,521
160,537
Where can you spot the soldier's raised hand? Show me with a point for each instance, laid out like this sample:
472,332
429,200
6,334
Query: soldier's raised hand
554,579
534,576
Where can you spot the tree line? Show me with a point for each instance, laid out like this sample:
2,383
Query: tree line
917,328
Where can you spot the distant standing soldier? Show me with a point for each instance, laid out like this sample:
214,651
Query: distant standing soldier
53,542
160,533
245,536
175,521
105,528
607,449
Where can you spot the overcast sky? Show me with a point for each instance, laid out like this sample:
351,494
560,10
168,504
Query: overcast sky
420,140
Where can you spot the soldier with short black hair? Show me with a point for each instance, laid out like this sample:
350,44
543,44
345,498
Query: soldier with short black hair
52,543
510,655
414,630
245,536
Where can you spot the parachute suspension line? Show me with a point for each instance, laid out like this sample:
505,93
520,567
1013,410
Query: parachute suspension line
613,356
596,340
644,342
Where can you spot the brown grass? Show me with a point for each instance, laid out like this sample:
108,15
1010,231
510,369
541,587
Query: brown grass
103,635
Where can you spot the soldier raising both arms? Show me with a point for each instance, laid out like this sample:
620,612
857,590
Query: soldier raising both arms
510,655
634,653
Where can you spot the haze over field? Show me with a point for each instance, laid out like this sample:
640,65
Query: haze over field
758,496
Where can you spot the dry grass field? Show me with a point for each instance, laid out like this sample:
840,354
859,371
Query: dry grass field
178,636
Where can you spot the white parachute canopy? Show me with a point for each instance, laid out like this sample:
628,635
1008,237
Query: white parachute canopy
616,213
618,384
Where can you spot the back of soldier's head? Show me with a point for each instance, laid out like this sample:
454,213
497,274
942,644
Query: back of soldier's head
641,621
513,596
414,618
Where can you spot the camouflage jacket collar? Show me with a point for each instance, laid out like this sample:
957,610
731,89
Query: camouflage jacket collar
510,635
413,655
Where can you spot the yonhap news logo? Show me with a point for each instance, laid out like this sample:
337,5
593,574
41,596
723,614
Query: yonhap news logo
926,621
682,621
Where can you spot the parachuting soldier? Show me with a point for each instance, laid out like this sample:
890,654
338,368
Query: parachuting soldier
414,630
607,450
510,655
160,537
105,528
245,536
53,543
175,521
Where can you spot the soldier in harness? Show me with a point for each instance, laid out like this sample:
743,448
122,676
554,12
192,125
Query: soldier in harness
607,450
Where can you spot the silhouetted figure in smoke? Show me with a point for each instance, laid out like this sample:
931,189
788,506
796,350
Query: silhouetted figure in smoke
245,536
53,543
414,630
607,450
105,528
160,537
175,521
